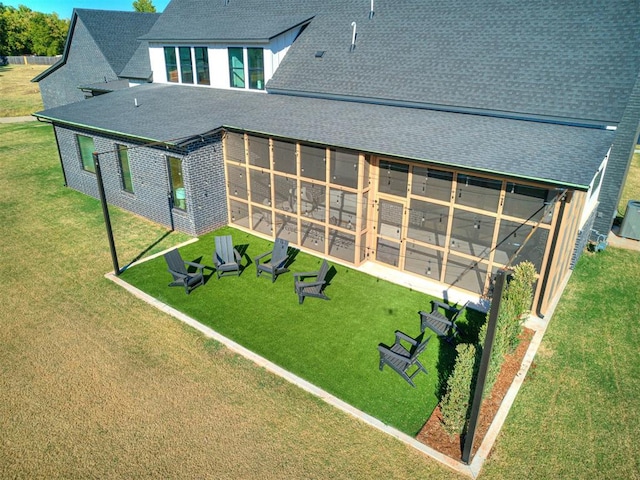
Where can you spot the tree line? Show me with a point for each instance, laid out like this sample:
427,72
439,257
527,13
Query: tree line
25,32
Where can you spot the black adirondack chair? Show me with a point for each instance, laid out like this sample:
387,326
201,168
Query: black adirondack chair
276,260
181,276
313,288
226,258
442,324
402,359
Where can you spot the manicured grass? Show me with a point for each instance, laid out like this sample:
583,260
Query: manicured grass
332,344
18,95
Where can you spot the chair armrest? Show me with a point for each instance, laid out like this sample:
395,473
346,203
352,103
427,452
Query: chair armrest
305,274
177,274
403,336
194,264
237,255
451,308
424,314
311,284
260,257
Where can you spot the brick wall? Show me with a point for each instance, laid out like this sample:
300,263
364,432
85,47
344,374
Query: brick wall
203,176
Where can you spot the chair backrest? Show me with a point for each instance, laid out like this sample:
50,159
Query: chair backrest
324,268
175,262
224,249
418,349
279,254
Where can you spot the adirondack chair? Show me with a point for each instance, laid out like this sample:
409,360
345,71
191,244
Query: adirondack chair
403,359
440,323
226,258
276,260
314,288
181,276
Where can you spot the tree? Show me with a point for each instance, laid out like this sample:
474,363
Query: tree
144,6
25,32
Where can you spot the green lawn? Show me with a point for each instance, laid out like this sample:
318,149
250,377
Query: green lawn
332,344
18,95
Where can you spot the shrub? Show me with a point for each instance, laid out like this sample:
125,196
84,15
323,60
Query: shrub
456,403
515,304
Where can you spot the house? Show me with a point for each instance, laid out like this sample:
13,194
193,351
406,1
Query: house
438,141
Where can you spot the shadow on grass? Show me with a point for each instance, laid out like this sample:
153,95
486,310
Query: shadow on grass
147,250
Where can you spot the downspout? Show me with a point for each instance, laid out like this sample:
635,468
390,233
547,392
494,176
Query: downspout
552,250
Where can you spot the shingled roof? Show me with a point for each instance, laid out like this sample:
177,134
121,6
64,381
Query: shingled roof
557,154
570,60
116,35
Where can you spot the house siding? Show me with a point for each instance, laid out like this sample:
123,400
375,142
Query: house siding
619,162
85,65
202,170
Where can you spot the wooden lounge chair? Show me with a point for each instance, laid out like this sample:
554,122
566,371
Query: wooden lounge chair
181,276
314,288
403,359
276,260
226,258
442,324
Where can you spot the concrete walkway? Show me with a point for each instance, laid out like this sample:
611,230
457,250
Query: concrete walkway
28,118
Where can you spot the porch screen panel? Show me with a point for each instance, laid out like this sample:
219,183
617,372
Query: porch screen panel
237,181
171,64
464,273
344,168
202,65
259,152
363,247
312,236
342,245
262,221
477,192
313,203
285,193
527,202
389,219
424,261
186,67
284,157
313,162
260,187
472,233
388,252
287,227
428,222
393,178
234,147
342,208
512,236
240,213
236,67
365,209
431,183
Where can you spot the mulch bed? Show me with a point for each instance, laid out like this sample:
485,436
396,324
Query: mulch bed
434,435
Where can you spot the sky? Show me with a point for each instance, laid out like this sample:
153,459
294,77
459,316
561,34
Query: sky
64,7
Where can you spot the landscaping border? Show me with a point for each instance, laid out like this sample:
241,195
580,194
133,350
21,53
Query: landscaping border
538,325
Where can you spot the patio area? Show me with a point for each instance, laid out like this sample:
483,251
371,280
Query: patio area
331,344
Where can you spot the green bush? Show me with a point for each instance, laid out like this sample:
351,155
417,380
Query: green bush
515,305
456,404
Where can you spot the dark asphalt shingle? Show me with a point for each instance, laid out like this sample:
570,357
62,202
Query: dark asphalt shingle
554,153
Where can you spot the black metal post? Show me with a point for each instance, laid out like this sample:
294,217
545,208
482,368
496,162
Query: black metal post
105,213
484,366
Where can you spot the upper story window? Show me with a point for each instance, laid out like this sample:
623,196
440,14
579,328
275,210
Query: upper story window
182,62
246,63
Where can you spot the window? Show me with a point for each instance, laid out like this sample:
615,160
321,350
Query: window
186,68
86,147
202,65
178,193
125,170
256,68
236,68
171,64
